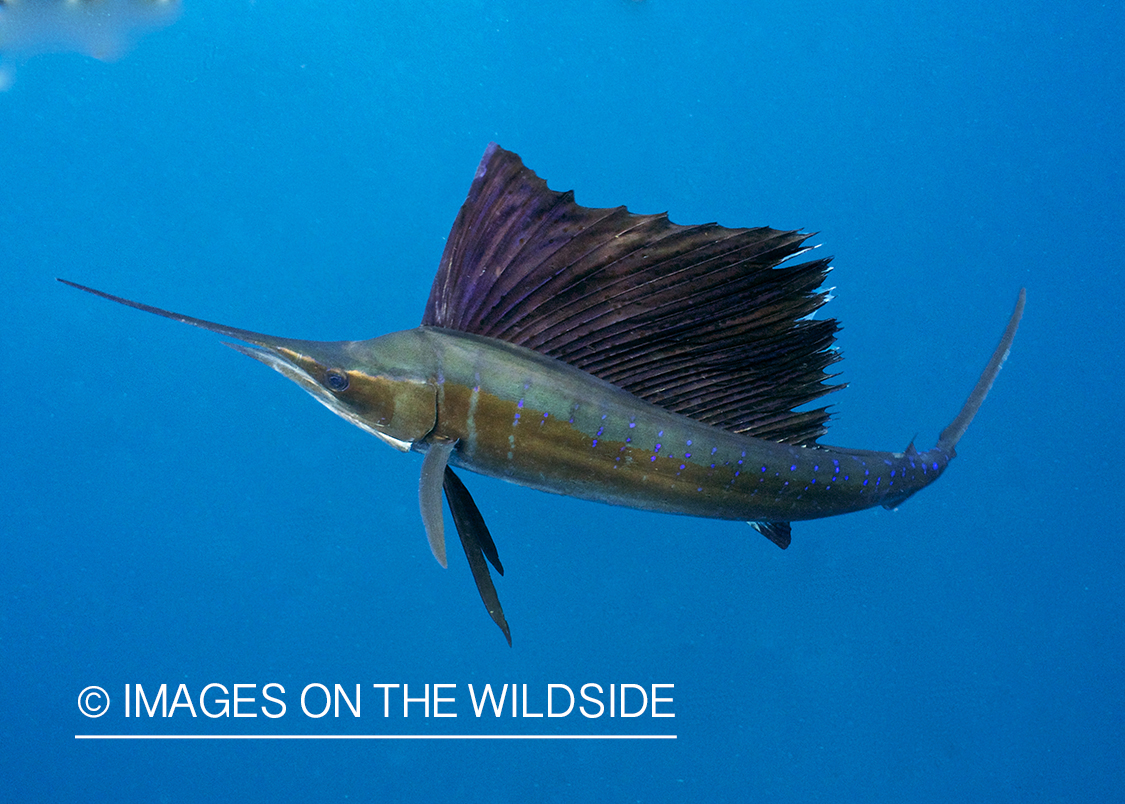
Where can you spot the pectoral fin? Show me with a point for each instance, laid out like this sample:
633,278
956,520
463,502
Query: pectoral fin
429,495
478,545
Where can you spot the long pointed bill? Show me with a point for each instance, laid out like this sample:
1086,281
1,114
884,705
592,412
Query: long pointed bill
280,354
256,338
290,357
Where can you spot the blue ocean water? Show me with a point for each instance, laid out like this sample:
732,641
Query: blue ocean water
175,514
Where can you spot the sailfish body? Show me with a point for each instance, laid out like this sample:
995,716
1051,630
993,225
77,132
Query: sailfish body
541,423
612,357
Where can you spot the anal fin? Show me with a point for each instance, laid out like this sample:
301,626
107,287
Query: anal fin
776,532
478,545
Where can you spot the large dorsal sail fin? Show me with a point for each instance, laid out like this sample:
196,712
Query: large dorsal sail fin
702,320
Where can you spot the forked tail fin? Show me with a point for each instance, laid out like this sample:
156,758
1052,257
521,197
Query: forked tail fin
952,434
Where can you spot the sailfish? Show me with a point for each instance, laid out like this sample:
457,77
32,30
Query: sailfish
613,357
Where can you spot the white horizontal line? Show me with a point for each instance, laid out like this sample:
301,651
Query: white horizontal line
374,736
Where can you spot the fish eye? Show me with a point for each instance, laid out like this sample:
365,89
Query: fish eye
336,380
